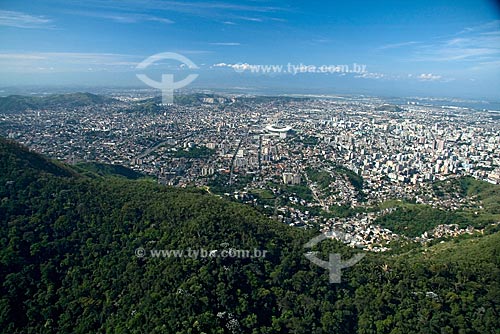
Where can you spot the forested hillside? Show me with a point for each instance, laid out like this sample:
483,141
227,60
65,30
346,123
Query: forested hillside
68,264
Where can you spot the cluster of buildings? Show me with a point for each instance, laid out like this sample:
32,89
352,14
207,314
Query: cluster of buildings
279,145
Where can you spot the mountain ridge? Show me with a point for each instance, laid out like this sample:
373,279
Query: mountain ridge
18,103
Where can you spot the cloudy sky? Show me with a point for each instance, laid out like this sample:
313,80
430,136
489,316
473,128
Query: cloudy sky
435,48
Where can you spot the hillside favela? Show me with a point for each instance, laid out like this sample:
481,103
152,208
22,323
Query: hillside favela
202,167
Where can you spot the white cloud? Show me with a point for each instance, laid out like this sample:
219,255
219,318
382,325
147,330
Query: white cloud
21,56
23,20
495,25
220,11
476,47
123,17
225,44
251,19
428,77
371,75
237,67
493,65
65,61
75,61
473,44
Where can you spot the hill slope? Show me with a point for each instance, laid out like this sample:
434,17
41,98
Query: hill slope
17,103
102,169
69,264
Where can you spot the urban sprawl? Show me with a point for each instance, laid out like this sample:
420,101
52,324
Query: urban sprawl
299,160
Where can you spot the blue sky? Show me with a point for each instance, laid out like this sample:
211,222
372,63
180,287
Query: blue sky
435,48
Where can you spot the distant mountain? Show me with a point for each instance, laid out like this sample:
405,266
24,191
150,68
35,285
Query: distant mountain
155,105
193,99
77,256
17,103
389,107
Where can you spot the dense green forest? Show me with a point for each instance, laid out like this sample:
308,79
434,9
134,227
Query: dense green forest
68,264
101,169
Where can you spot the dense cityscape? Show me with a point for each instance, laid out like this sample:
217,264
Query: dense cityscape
304,161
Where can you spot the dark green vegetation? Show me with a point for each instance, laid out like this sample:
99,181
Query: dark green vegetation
108,170
220,184
343,211
321,177
67,265
487,193
18,103
325,178
148,106
301,191
412,219
355,179
389,107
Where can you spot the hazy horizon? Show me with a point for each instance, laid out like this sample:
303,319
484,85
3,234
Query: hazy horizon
441,48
